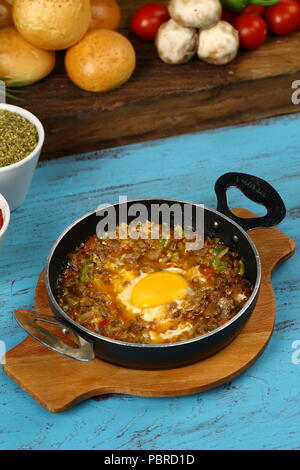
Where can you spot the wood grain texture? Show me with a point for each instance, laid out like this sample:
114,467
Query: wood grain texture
58,383
257,410
162,100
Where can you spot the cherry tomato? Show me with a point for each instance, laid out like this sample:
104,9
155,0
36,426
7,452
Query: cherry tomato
284,17
148,19
5,14
227,16
255,10
252,31
105,14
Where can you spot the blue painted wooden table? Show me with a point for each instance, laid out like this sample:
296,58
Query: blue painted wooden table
258,410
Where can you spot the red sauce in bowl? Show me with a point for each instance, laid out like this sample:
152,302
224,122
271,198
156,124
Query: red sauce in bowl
1,219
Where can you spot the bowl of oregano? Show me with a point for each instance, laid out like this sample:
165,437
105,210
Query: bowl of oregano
21,139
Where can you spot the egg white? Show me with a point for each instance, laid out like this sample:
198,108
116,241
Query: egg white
125,295
171,333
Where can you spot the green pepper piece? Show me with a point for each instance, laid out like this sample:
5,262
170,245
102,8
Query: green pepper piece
234,5
219,265
161,242
220,252
242,268
238,5
83,275
174,258
180,231
71,301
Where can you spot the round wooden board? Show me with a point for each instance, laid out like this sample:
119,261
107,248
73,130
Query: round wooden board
59,383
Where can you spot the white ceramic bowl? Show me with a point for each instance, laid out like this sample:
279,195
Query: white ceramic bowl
4,207
15,179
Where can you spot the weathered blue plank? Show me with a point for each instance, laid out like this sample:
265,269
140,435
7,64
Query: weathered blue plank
258,410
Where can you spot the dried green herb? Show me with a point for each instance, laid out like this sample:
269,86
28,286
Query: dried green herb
18,137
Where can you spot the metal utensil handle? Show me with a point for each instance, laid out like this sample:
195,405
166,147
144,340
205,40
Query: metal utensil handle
258,191
28,321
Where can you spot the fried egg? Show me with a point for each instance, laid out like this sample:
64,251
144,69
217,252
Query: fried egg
125,295
158,288
148,295
148,291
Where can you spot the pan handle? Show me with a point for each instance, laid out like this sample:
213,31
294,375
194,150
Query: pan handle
258,191
28,321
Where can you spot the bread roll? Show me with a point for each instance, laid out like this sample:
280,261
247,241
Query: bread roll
101,61
5,14
106,14
20,60
52,24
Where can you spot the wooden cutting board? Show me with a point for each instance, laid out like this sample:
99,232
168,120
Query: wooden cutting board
58,383
162,100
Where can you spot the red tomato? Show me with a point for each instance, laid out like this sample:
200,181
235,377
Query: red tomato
248,292
252,30
284,17
228,16
89,244
206,271
148,19
255,10
69,273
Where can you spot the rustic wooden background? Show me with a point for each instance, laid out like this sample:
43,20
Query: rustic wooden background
162,100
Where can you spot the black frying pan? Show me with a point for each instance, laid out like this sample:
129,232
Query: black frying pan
221,223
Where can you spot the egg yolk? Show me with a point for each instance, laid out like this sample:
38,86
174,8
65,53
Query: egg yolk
158,288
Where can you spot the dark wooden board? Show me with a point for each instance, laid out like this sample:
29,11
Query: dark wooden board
59,383
162,100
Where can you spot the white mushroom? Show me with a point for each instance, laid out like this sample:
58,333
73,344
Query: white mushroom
195,13
176,44
219,44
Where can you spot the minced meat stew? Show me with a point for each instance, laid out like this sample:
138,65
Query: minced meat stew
152,291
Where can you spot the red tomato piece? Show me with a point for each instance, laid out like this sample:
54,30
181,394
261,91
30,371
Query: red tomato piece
69,273
147,20
284,17
89,244
255,10
252,30
247,292
103,323
227,16
206,271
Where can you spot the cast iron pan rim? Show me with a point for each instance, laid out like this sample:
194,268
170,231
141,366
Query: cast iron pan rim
96,336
